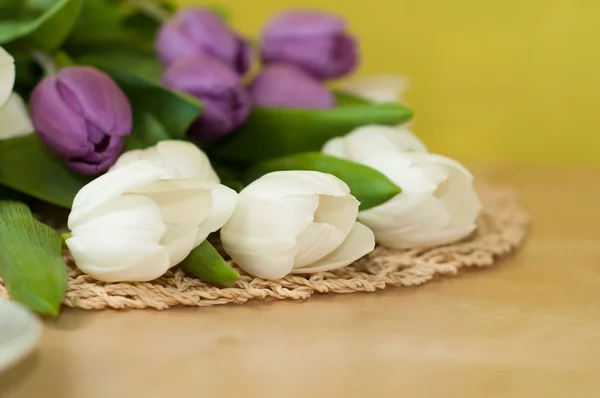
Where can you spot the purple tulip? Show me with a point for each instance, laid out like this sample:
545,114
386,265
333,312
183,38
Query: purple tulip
286,86
82,115
311,40
198,32
226,102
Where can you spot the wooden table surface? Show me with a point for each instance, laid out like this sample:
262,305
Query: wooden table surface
529,327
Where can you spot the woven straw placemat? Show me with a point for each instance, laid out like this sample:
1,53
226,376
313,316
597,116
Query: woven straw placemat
501,228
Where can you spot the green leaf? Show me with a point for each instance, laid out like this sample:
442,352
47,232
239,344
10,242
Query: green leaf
44,28
273,132
369,186
27,166
206,263
346,99
174,111
106,26
141,64
147,131
31,265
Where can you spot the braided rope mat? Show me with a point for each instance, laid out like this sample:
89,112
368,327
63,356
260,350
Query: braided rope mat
501,228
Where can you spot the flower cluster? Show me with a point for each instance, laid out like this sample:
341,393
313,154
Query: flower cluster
320,176
207,59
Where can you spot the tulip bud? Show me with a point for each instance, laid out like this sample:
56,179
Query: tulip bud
82,115
179,158
438,204
7,75
295,222
286,86
197,32
226,102
136,222
314,41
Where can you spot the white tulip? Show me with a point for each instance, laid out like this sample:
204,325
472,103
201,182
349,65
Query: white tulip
366,141
378,88
438,204
14,118
135,222
7,76
20,330
295,222
179,158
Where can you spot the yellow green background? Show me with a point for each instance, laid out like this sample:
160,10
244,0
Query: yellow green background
510,80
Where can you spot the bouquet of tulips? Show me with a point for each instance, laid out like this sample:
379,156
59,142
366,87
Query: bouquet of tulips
158,127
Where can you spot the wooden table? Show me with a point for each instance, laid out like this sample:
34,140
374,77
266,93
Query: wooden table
527,328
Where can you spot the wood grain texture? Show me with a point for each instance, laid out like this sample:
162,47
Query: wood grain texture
529,327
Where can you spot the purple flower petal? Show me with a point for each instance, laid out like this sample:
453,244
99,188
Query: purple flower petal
82,115
289,87
303,23
226,102
196,32
313,41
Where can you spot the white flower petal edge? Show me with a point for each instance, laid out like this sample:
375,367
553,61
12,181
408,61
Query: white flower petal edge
359,242
366,141
134,223
20,330
378,88
179,158
295,221
420,217
7,76
438,204
14,118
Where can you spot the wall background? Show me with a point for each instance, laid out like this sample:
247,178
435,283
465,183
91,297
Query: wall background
510,80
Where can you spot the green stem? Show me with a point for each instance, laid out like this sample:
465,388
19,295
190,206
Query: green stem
46,62
151,9
65,236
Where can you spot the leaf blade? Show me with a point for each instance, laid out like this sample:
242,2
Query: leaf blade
46,31
27,166
369,186
174,110
276,132
31,263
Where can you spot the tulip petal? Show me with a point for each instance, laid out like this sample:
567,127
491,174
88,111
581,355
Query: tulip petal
360,241
379,88
407,212
123,218
117,260
273,263
257,225
368,140
127,158
14,118
179,242
182,160
224,200
282,184
7,76
333,220
186,160
457,192
335,147
182,202
110,186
